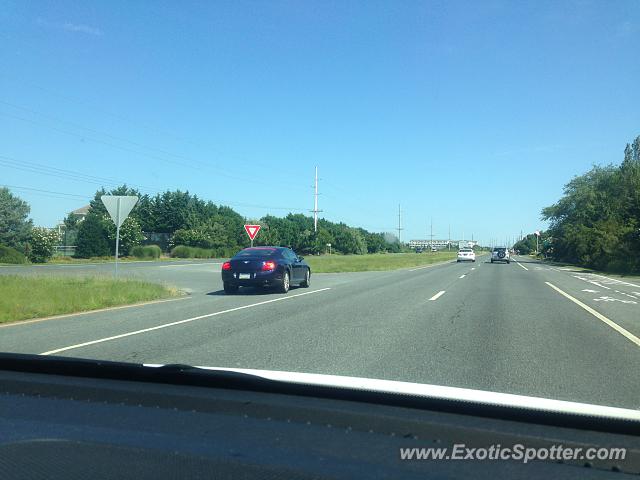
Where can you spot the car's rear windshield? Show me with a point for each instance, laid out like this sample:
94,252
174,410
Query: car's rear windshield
466,250
499,249
257,252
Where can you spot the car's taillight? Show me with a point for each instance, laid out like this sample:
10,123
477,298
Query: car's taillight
226,266
266,266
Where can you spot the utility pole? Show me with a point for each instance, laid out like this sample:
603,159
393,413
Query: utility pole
431,235
399,223
315,203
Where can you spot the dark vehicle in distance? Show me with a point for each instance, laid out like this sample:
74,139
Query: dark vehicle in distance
276,267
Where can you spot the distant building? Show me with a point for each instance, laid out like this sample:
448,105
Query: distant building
80,213
439,244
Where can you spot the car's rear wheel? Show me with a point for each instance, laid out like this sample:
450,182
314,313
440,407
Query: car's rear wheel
307,279
492,260
230,289
284,286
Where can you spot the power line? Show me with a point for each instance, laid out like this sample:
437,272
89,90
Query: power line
221,171
33,167
48,193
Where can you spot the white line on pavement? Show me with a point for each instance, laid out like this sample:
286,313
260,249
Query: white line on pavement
424,266
190,264
521,265
462,276
630,336
616,281
180,322
437,295
473,268
89,312
625,294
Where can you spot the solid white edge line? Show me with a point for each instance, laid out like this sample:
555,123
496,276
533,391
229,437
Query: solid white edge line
439,391
437,295
521,265
622,331
88,312
179,322
462,276
424,266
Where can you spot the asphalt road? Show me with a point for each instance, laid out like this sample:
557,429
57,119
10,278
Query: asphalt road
525,328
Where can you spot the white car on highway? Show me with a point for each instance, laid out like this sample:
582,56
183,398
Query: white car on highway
466,255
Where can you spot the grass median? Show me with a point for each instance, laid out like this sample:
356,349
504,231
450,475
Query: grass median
39,296
376,261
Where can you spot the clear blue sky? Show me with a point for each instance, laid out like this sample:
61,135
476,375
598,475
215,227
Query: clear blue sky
472,113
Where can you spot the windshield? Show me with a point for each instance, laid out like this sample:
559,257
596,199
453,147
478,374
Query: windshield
257,252
441,193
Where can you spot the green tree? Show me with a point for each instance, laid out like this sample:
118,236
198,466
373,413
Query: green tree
14,224
597,221
93,239
351,241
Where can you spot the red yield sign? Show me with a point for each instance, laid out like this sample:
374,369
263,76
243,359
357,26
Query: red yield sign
252,231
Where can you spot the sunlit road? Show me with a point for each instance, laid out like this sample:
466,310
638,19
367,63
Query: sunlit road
525,328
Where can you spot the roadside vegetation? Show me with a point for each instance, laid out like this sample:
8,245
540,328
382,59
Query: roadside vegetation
39,296
11,255
179,224
596,224
183,251
377,261
147,252
178,219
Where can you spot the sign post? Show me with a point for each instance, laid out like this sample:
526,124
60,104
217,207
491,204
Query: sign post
119,208
252,231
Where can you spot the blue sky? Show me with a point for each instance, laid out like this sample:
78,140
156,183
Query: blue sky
472,113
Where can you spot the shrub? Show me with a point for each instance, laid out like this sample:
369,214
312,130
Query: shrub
11,255
203,253
182,251
42,244
147,251
130,234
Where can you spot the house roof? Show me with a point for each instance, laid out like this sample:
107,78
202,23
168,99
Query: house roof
82,210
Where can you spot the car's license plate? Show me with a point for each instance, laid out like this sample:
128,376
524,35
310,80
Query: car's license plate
242,276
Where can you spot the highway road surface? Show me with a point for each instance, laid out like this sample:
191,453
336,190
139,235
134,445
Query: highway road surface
525,328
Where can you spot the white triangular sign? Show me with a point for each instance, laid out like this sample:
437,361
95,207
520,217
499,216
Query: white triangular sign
119,207
252,230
